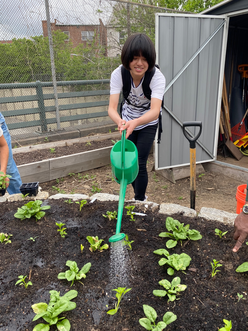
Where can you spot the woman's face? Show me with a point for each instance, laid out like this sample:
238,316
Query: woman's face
138,66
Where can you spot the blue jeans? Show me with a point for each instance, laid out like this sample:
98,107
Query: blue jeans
15,181
143,139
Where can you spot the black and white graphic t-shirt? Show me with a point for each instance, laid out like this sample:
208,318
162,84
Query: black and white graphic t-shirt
139,104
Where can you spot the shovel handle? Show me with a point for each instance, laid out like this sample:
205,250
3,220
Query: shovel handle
191,139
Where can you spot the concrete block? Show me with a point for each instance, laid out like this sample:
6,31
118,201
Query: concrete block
171,208
213,214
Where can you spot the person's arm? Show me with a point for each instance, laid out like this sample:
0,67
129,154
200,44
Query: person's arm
4,156
112,110
241,230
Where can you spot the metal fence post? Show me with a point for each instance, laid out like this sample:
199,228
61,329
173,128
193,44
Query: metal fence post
41,106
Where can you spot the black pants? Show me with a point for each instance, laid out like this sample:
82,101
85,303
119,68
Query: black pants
143,139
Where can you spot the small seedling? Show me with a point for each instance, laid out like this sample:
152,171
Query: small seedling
69,201
71,174
86,177
5,238
95,244
111,215
21,281
46,139
58,189
3,178
95,188
81,204
32,238
227,327
220,233
201,175
130,212
24,196
74,273
154,176
114,141
120,292
240,296
88,143
61,230
128,243
171,288
49,312
175,261
79,176
215,264
164,187
81,248
180,198
149,323
52,150
57,180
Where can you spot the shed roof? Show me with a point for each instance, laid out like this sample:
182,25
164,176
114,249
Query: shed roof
226,7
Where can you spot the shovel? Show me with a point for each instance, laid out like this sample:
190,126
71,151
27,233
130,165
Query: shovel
125,168
192,142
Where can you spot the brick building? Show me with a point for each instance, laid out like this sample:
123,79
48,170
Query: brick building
80,34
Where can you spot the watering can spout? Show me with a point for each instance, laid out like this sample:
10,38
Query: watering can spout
124,164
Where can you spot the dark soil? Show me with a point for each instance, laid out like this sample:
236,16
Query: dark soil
202,307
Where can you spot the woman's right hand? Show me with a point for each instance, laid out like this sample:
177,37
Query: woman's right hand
121,125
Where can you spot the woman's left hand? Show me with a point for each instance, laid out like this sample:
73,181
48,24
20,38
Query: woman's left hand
129,127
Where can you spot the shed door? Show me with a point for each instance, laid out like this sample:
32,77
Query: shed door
191,54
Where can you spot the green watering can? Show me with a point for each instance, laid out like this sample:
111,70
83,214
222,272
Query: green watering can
125,168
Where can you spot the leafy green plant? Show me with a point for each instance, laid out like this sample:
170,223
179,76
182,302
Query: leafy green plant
179,232
175,261
215,264
120,292
171,288
130,212
111,215
86,177
81,204
227,327
79,176
128,243
149,323
52,150
5,238
49,312
219,233
24,196
46,139
74,273
243,267
201,175
154,176
95,244
69,201
81,248
240,296
3,178
31,209
95,188
71,174
21,281
62,231
88,143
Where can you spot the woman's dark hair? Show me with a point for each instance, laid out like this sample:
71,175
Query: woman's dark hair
138,44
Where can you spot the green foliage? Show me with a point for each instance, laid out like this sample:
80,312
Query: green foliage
219,233
2,180
215,264
111,215
81,204
120,292
240,296
21,281
30,209
176,261
95,244
171,288
62,231
149,323
95,188
179,232
243,267
227,327
33,238
128,243
52,150
5,238
50,312
74,273
130,212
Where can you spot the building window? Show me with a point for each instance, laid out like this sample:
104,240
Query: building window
68,35
87,35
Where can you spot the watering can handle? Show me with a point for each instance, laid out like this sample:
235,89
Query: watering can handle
123,139
191,139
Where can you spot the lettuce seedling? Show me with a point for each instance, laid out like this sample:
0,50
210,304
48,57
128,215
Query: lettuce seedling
171,288
32,208
3,181
95,244
21,281
130,212
243,267
227,327
81,204
128,242
219,233
74,273
111,215
176,261
49,312
215,264
120,292
149,323
5,238
61,230
179,232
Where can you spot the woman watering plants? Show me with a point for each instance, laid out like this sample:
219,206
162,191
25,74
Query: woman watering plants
139,113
